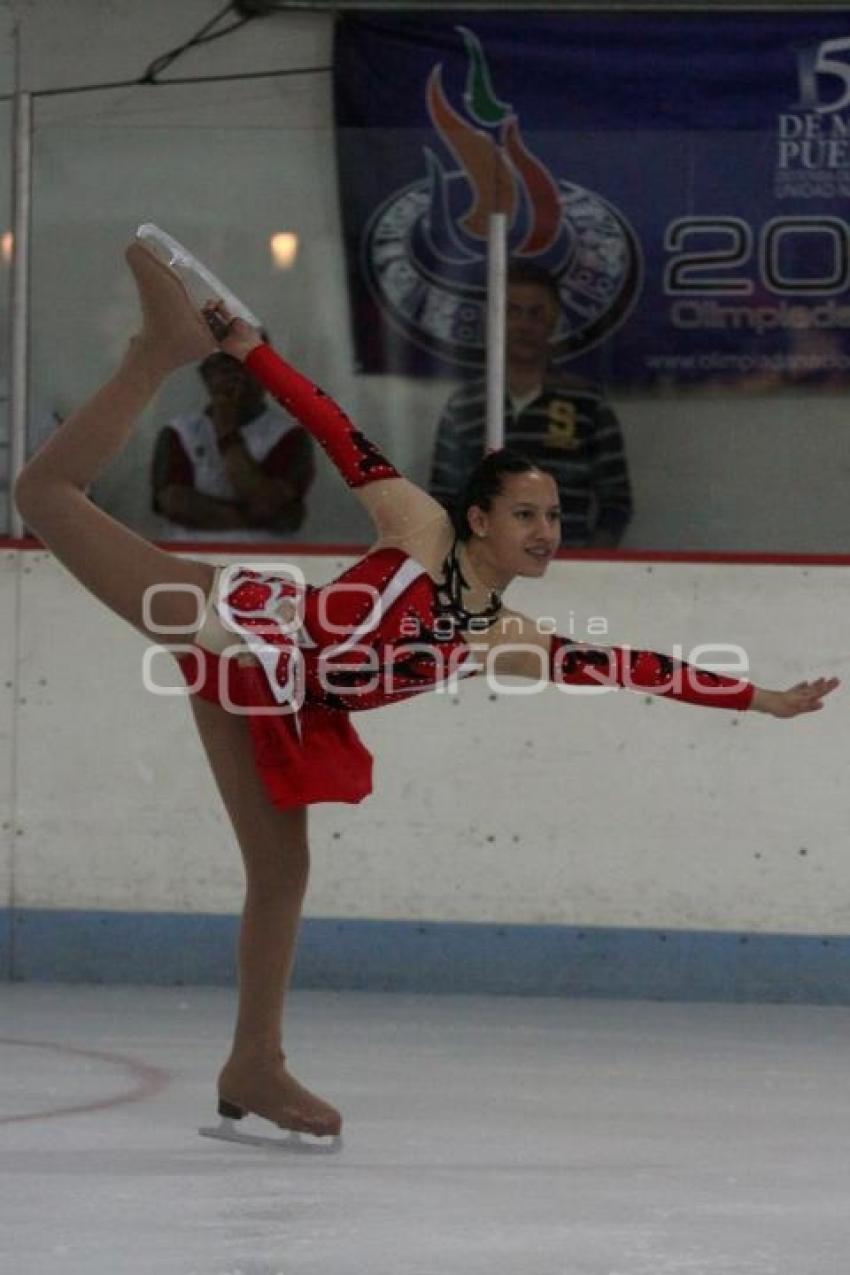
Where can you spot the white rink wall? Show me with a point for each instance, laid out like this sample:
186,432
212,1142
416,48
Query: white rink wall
544,809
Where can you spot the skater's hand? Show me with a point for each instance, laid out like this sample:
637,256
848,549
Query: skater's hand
805,697
234,336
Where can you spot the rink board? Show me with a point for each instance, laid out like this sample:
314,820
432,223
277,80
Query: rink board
612,844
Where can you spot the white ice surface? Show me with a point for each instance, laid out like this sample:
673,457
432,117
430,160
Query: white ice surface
483,1137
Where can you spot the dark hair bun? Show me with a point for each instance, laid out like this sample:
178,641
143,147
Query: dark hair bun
485,482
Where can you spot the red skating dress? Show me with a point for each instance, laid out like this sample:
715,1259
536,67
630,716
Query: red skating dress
297,660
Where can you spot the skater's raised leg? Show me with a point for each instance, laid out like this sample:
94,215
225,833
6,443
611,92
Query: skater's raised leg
112,562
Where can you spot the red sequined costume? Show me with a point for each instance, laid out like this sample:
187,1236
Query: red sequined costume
296,660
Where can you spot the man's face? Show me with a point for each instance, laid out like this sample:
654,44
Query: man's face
532,316
226,378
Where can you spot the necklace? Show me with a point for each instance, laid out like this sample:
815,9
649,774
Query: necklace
450,595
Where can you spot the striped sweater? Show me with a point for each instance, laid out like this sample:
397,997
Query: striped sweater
568,430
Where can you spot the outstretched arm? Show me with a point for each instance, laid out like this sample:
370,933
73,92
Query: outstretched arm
656,674
521,650
574,664
397,507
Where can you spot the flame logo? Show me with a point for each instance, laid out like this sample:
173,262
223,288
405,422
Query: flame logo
501,171
425,248
498,171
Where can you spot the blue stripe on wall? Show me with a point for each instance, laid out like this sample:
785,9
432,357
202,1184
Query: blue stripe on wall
409,956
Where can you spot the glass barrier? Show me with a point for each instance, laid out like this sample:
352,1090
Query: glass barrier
698,357
259,206
678,329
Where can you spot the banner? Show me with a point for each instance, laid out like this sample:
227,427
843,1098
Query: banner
683,177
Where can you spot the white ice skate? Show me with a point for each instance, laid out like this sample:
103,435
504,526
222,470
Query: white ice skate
290,1140
201,284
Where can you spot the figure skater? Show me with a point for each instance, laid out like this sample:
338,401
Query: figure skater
275,668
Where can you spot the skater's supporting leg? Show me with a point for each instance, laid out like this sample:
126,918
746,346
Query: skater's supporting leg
276,857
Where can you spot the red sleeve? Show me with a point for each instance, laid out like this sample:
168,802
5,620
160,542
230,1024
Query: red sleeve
359,461
291,459
573,664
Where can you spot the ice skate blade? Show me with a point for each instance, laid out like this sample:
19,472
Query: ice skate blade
201,284
289,1142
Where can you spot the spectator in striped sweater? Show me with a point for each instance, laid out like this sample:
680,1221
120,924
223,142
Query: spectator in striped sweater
563,425
237,469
